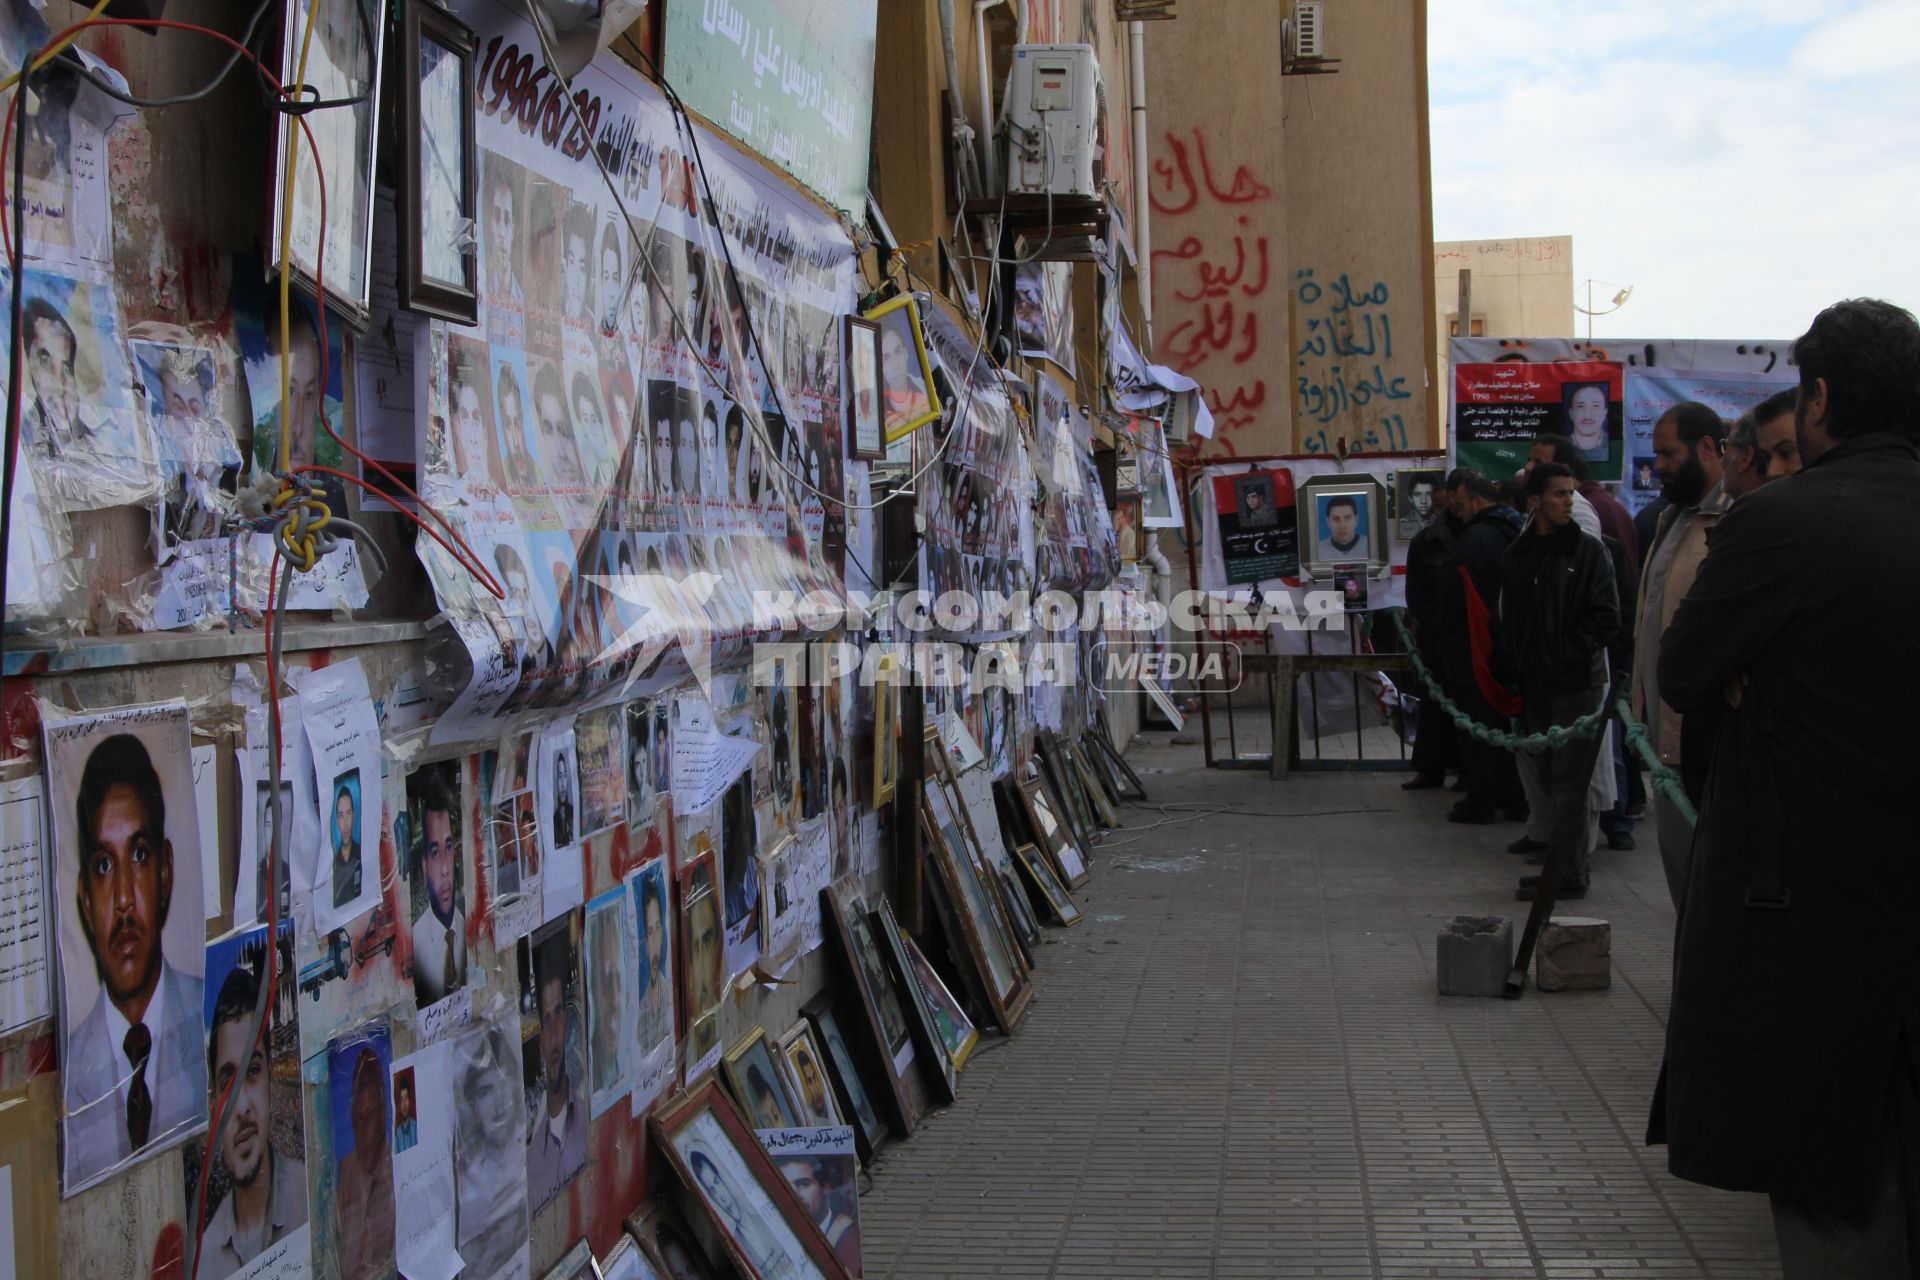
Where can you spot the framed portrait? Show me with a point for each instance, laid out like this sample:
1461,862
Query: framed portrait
668,1243
1021,929
758,1083
1090,783
864,396
1046,883
909,398
332,48
575,1264
439,250
979,931
844,914
952,1022
813,1097
1415,493
624,1261
1051,829
702,946
1342,521
926,1032
849,1086
735,1184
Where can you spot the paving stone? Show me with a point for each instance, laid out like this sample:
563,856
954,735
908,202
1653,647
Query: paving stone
1257,1079
1575,953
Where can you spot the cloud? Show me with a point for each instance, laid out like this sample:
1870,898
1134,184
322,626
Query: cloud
1739,164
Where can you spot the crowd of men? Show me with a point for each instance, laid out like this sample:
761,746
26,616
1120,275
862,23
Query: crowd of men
1724,612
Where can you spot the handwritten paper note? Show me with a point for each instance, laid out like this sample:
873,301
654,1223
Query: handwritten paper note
705,761
423,1168
25,993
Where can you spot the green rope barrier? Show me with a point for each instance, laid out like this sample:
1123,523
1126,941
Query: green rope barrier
1665,780
1532,743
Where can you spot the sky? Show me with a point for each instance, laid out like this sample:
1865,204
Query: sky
1740,163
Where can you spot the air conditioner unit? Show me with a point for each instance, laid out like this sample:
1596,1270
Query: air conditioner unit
1306,40
1055,130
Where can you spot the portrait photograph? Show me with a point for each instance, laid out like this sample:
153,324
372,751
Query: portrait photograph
758,1083
639,744
610,1014
822,1170
850,1090
862,391
342,42
406,1111
1342,532
363,1205
1415,492
192,439
79,427
1253,498
651,903
316,408
255,860
1592,416
1060,905
1645,478
346,871
490,1164
878,1024
734,1183
126,850
909,398
669,1244
257,1188
436,861
887,929
703,943
1352,583
438,210
1051,829
600,748
557,1141
807,1072
988,950
1342,520
955,1029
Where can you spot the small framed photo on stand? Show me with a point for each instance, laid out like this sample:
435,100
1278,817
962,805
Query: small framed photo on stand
909,397
865,398
439,260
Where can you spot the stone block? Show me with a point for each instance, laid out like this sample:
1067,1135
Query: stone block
1575,953
1476,953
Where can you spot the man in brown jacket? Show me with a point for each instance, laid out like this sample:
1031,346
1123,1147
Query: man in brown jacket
1687,457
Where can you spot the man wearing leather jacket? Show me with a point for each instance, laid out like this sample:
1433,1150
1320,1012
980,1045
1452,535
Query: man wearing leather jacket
1560,612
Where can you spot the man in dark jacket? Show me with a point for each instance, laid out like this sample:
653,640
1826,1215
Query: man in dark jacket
1794,1036
1430,563
1488,528
1560,613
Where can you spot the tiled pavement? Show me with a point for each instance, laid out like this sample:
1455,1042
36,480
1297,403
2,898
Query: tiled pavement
1237,1066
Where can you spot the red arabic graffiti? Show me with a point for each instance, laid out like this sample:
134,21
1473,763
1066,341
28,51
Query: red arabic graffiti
1177,176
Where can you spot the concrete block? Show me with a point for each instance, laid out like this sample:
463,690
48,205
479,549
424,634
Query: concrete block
1575,954
1475,954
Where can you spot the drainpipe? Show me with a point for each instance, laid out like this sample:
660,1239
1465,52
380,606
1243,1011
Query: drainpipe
962,127
980,8
1142,234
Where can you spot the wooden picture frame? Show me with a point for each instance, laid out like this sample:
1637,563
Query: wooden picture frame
624,1261
700,909
1128,782
437,165
1050,826
806,1066
1058,769
666,1239
1090,783
1046,881
956,1028
974,926
907,407
756,1079
926,1032
712,1150
843,1070
866,418
1024,934
888,1033
575,1264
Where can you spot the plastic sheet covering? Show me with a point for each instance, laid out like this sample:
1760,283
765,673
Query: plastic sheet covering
608,440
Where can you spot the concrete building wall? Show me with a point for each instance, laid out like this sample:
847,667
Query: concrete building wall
1522,288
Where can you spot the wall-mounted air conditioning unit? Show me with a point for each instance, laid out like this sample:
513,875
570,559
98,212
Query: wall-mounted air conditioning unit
1309,30
1054,129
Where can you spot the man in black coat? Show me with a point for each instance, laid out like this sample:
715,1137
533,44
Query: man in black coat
1795,1028
1430,563
1489,527
1560,615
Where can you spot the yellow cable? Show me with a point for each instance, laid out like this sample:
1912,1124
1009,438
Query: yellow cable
53,50
286,265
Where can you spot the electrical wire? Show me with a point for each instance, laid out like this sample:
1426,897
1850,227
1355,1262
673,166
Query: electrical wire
53,49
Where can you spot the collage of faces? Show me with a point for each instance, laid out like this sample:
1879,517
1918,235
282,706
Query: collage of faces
609,441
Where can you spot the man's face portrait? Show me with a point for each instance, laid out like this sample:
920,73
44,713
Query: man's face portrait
126,886
500,229
662,451
1342,521
50,361
610,281
303,411
556,440
343,821
241,1064
553,1034
1420,496
469,432
573,274
811,1083
183,399
686,476
437,856
656,933
806,1186
704,949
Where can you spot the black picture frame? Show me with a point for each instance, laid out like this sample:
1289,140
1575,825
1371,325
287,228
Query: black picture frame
425,25
866,440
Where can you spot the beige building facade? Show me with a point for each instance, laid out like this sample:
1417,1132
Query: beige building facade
1522,287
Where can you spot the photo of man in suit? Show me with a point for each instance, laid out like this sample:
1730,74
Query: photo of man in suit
557,1147
136,1066
440,931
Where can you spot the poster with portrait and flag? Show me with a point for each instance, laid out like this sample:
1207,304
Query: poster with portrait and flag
1499,409
1259,537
